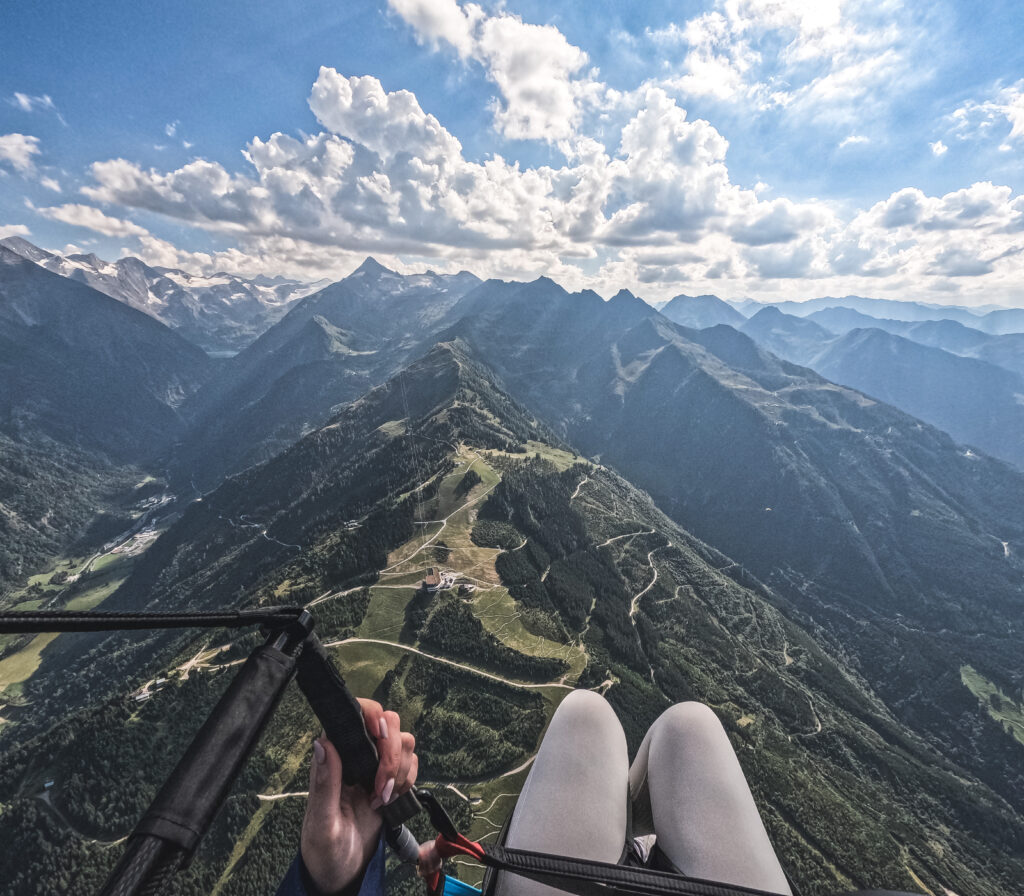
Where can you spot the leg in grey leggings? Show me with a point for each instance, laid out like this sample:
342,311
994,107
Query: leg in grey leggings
574,800
686,780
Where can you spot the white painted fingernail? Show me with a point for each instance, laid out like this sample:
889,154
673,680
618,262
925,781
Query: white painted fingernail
376,802
318,752
389,788
383,728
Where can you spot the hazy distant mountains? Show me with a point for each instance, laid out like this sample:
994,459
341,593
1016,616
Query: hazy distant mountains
699,312
988,320
329,349
219,313
976,402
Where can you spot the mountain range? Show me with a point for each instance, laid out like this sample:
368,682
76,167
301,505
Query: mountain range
658,511
219,313
978,403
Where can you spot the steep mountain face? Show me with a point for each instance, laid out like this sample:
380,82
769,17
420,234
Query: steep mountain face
85,369
893,538
49,493
977,403
219,313
699,312
579,580
328,350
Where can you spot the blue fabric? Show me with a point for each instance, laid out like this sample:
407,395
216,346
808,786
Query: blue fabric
296,882
454,887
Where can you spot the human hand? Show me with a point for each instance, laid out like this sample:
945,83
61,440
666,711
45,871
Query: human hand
342,827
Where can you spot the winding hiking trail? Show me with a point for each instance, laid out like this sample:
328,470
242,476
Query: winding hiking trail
531,685
635,603
44,798
576,493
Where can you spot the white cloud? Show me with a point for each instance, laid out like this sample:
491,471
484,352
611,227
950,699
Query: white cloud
823,58
938,148
50,184
7,230
854,140
388,177
541,76
650,205
976,119
171,128
18,150
27,103
93,219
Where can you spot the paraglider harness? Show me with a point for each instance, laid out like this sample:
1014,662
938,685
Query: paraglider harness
169,832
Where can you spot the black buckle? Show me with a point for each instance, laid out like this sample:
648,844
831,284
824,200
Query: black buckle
439,818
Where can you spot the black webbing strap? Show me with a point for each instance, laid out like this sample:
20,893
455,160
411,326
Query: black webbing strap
339,712
587,878
99,621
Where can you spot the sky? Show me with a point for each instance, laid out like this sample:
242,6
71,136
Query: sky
774,149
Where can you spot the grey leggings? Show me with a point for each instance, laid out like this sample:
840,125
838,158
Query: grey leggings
686,787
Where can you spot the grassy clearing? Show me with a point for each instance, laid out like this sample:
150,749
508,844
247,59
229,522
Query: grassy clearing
393,428
386,614
500,616
96,594
399,560
91,591
412,579
107,561
365,665
19,667
562,460
1005,710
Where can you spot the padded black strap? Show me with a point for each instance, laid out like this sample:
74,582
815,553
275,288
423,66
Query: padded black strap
588,878
339,712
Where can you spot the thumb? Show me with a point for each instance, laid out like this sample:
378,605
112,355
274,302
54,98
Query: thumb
324,784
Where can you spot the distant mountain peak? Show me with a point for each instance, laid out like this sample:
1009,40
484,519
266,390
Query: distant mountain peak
91,259
624,295
370,268
700,312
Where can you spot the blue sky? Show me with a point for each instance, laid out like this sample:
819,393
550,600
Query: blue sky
766,148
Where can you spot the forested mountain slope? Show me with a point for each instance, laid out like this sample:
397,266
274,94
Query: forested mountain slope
905,547
565,575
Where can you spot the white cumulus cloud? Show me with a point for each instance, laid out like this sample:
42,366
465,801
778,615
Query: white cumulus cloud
854,140
7,230
644,201
17,150
541,77
823,58
93,219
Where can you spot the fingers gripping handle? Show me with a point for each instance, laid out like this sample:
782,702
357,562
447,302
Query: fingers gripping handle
339,712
